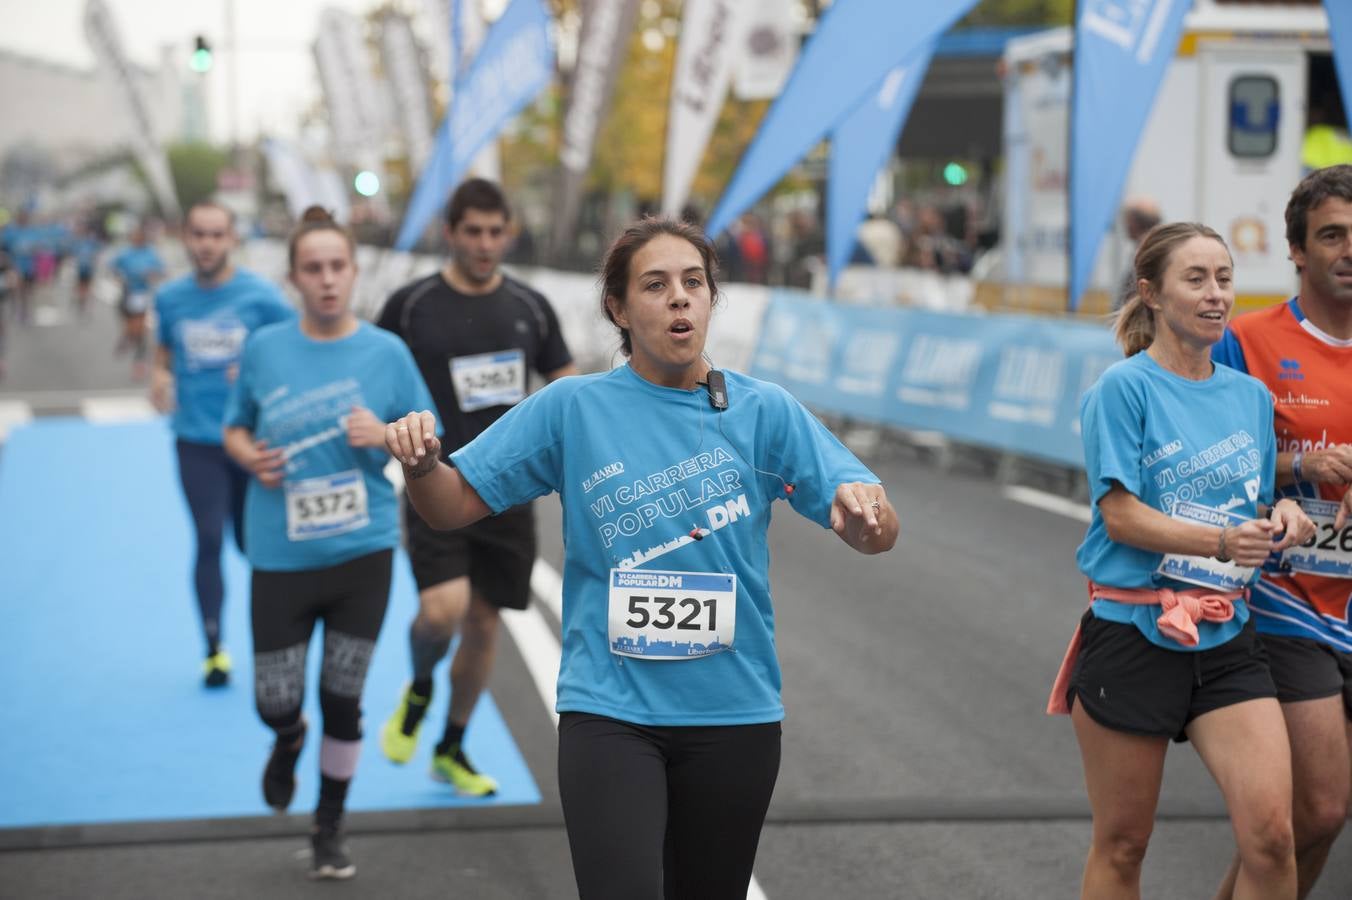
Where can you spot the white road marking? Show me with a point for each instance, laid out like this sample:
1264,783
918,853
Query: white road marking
1050,502
49,316
13,413
68,399
541,651
547,585
112,410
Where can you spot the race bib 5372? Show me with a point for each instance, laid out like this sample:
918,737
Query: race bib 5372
324,506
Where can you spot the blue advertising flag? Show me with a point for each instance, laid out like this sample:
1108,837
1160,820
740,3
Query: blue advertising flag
860,146
457,43
514,64
857,42
1340,36
1122,48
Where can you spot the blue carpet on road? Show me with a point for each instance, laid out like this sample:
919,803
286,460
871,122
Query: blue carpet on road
103,717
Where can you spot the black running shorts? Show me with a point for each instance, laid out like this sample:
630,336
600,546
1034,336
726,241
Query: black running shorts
497,553
1128,684
1305,669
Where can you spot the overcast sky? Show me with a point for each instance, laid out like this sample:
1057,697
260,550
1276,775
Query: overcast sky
277,78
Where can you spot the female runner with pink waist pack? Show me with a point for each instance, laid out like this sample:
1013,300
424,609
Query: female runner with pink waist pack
1180,459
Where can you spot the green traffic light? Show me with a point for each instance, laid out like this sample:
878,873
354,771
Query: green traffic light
200,61
955,174
366,183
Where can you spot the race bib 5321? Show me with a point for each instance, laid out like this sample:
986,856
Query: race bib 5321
671,615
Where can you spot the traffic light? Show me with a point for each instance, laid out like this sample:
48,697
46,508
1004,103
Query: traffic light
955,173
201,56
367,183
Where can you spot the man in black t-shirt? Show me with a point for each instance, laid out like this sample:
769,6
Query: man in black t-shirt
475,333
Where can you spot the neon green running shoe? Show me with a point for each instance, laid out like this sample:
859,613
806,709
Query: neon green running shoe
216,670
454,768
398,745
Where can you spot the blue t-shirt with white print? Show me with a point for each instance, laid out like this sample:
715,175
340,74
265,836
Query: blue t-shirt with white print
136,266
204,329
638,468
1169,440
296,392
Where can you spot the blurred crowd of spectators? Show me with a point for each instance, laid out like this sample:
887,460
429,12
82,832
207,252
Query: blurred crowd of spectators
791,251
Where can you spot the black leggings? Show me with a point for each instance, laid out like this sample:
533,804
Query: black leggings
351,598
664,812
214,487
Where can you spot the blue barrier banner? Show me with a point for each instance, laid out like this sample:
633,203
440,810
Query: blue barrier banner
860,145
514,64
1010,383
1122,48
857,42
1340,36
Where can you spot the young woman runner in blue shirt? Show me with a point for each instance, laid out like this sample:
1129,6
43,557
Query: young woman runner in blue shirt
669,730
306,419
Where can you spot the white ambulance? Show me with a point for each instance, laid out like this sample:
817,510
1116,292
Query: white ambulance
1222,146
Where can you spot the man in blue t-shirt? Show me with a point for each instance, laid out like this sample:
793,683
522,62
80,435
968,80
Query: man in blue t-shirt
18,242
139,269
203,319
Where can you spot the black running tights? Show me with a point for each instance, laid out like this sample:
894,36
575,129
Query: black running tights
664,812
351,598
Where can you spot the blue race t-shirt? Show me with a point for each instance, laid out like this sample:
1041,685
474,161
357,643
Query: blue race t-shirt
204,330
136,266
86,249
638,468
296,392
21,243
1170,440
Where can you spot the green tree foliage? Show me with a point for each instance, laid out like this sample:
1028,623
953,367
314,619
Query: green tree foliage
194,167
989,13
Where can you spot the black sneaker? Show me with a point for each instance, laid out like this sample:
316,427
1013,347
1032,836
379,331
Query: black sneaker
328,855
279,775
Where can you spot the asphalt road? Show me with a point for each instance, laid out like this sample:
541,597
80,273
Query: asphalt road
917,761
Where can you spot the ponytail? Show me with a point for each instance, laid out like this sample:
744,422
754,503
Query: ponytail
1134,326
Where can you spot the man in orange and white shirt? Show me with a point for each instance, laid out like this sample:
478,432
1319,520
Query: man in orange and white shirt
1302,350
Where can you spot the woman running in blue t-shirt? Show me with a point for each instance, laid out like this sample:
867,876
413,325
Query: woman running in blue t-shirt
1180,458
669,730
306,419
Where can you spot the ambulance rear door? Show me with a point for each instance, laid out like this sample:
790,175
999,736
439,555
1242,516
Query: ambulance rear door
1250,126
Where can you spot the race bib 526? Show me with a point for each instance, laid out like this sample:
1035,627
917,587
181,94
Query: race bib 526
1329,552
